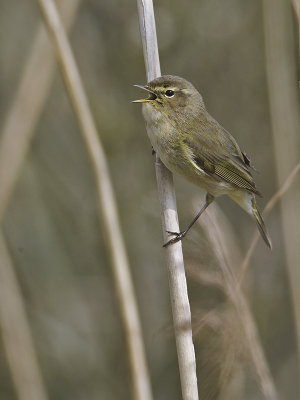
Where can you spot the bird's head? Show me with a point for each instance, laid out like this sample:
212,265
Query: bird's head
171,94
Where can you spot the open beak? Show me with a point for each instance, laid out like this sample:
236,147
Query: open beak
152,95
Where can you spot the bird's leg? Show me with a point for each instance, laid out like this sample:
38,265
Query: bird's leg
178,236
153,151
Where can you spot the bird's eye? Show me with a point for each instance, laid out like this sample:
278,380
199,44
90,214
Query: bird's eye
169,93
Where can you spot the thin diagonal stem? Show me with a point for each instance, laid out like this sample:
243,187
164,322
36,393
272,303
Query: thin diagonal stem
214,234
271,203
17,131
106,198
23,115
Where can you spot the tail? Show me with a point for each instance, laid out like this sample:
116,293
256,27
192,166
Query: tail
247,201
260,224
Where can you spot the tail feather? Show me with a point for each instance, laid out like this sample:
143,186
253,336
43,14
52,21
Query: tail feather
261,225
247,201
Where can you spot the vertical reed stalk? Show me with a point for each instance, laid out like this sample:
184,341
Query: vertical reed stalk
174,257
16,333
107,202
296,4
284,108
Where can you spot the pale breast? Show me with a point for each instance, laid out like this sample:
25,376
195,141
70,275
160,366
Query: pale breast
160,131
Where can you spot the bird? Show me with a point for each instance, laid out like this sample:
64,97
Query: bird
192,144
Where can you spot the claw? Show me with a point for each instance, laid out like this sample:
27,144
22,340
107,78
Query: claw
177,238
173,233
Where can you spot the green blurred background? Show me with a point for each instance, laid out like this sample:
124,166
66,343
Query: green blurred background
53,227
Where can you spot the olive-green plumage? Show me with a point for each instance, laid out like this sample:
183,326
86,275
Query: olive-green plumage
194,145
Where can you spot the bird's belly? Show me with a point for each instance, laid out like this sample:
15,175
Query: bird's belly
166,143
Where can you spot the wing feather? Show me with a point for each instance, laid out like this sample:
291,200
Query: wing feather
220,156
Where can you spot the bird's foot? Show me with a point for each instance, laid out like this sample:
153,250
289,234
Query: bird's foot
178,236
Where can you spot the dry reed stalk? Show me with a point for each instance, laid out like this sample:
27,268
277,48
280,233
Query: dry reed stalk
210,224
204,277
271,203
174,258
23,115
17,131
296,4
281,65
16,333
107,202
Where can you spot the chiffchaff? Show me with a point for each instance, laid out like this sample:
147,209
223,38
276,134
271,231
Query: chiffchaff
194,145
